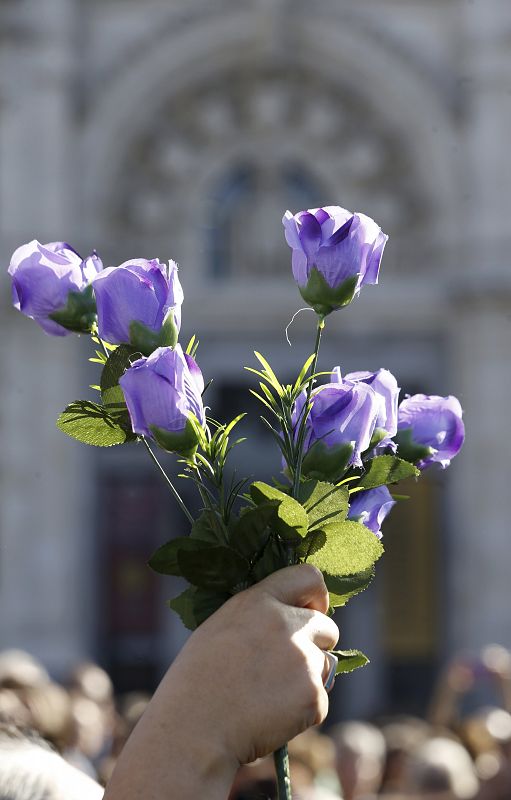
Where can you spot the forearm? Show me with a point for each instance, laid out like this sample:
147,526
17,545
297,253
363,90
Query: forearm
173,754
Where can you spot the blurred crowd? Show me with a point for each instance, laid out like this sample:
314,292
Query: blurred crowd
460,750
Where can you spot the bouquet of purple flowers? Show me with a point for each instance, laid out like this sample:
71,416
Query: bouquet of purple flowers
343,439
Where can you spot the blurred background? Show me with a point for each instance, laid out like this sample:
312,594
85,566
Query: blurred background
184,130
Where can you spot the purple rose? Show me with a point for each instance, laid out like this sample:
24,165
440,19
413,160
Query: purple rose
430,429
161,393
339,427
51,284
335,253
139,302
371,507
385,385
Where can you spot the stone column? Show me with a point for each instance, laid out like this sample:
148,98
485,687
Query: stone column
479,555
44,533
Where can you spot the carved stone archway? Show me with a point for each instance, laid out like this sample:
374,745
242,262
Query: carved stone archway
204,99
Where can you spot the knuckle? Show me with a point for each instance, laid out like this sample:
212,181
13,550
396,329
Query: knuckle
317,705
315,574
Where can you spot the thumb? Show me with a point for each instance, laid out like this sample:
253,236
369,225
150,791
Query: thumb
301,585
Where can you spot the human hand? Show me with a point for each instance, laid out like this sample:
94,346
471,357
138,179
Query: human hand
249,679
258,664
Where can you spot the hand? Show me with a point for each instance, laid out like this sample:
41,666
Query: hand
249,679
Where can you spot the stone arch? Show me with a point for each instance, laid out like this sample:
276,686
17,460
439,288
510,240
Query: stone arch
351,57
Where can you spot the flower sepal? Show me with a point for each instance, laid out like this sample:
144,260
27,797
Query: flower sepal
327,463
379,434
410,450
79,313
184,442
147,341
324,298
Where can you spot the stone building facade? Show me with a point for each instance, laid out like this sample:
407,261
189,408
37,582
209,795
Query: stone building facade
184,130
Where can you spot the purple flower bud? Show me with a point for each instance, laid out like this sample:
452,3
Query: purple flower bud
139,302
385,385
50,285
430,429
371,507
339,427
335,253
161,393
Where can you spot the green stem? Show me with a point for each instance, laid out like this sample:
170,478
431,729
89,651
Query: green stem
303,421
281,756
281,759
173,489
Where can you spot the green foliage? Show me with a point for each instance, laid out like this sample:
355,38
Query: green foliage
215,568
349,660
196,605
206,602
251,531
324,502
209,527
384,470
183,605
165,559
106,424
290,520
91,423
349,548
343,588
117,363
191,347
273,557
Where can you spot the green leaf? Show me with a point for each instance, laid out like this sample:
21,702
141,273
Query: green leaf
274,557
386,469
206,602
93,424
216,568
290,521
349,660
341,589
303,372
166,559
191,347
250,532
349,548
118,362
323,502
208,528
310,544
183,605
269,374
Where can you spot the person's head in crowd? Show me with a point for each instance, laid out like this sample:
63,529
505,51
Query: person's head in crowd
49,707
487,734
441,769
31,770
19,670
487,730
12,708
360,757
312,761
90,680
402,734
